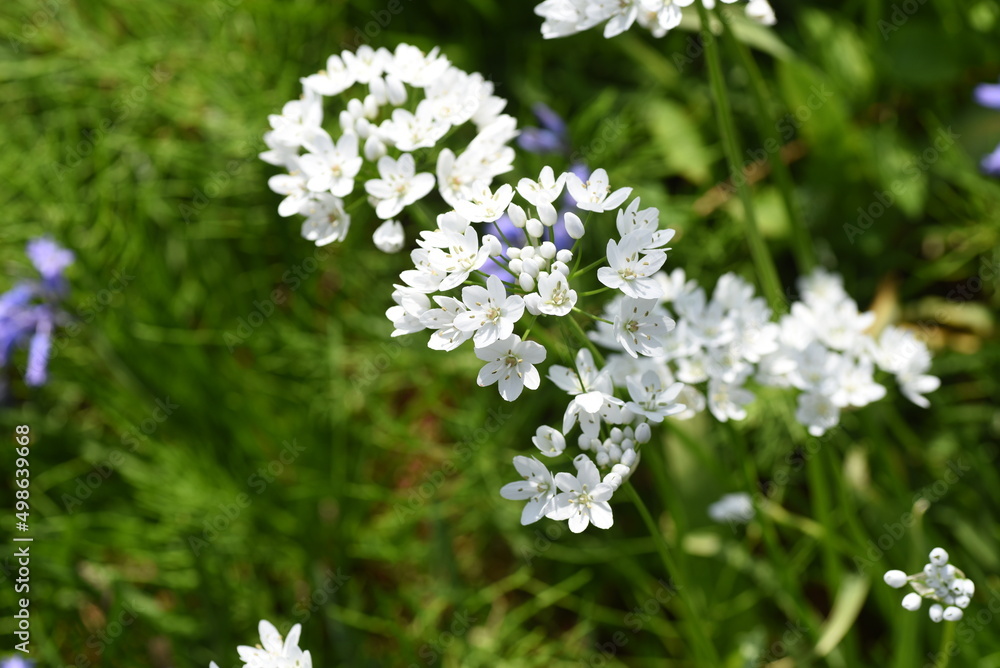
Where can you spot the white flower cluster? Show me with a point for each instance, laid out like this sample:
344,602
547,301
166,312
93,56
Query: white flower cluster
273,652
566,17
820,348
408,101
940,582
487,309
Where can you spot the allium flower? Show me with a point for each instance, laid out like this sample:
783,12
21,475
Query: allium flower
595,194
370,125
490,313
511,364
389,237
566,17
273,652
584,497
640,327
940,582
537,488
29,312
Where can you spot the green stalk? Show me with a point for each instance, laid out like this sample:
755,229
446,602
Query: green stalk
764,263
947,637
805,256
702,645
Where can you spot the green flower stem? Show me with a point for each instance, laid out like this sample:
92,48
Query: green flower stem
702,645
947,638
764,263
590,266
805,256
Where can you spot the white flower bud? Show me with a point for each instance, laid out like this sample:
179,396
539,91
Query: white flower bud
527,252
526,281
346,122
580,460
912,601
547,250
513,252
565,256
561,267
930,572
963,601
613,480
957,588
621,469
517,215
895,579
628,444
548,214
389,237
936,612
952,614
492,245
515,266
616,435
602,458
574,226
970,587
629,458
377,93
643,433
372,103
374,148
355,108
395,90
939,557
363,128
534,228
530,266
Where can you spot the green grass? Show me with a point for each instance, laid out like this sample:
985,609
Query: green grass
130,133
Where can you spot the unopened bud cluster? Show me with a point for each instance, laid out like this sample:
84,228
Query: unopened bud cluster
940,582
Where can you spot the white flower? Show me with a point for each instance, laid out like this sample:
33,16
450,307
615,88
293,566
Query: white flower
293,187
554,296
584,498
326,220
406,315
817,412
727,401
550,442
651,399
631,270
732,508
335,79
366,63
331,166
510,363
273,653
544,191
298,120
485,206
389,237
761,12
399,186
446,336
408,132
639,327
595,194
856,385
491,313
537,487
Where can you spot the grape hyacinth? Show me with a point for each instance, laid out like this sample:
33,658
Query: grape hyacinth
940,582
30,312
396,114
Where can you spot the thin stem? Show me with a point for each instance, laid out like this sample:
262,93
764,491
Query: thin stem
590,266
764,263
592,316
703,646
575,326
804,254
947,638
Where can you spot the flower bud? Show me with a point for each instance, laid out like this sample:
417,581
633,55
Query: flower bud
936,612
513,252
395,90
492,245
363,128
346,122
895,579
371,105
515,266
912,601
952,614
602,458
548,214
530,267
526,281
560,267
617,435
613,480
517,215
565,256
939,557
527,252
374,148
534,228
963,601
355,108
643,433
547,250
970,587
574,226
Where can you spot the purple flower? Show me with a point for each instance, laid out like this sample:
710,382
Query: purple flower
552,137
988,95
991,163
29,313
16,662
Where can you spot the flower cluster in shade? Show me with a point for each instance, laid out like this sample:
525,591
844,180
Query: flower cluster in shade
30,311
273,651
821,349
940,582
566,17
397,114
988,95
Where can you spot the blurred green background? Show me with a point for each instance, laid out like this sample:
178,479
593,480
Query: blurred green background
186,484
